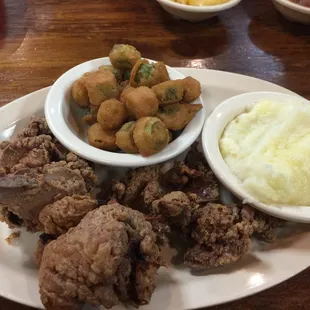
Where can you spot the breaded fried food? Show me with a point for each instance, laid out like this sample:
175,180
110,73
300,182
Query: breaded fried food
177,116
134,184
112,114
79,92
169,91
141,102
161,72
192,89
124,138
111,257
128,89
124,56
91,117
35,171
223,235
175,207
101,139
146,74
150,135
117,72
126,74
101,86
123,85
58,217
186,201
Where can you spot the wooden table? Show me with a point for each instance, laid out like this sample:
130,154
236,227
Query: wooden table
41,39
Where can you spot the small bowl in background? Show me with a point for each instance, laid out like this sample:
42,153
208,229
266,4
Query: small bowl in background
211,134
292,11
195,13
64,119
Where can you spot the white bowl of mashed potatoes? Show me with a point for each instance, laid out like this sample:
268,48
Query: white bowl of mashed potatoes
258,145
196,10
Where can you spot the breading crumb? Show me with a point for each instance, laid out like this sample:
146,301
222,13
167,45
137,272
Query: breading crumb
12,237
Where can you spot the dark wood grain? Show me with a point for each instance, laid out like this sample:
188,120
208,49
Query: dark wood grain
41,39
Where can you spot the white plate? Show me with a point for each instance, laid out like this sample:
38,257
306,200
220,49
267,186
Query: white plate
177,288
217,122
64,119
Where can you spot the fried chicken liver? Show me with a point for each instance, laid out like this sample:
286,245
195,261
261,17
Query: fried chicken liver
222,235
193,176
110,257
186,200
58,217
36,171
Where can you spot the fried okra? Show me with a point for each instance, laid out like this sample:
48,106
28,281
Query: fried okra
141,102
150,135
112,114
101,86
117,72
133,104
91,117
192,89
177,116
126,75
169,91
128,89
146,74
124,138
123,56
79,92
101,139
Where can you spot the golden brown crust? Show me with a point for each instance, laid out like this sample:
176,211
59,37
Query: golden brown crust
150,135
177,116
141,102
124,56
79,93
112,114
128,89
117,72
135,70
101,86
162,72
169,92
101,139
124,138
192,89
152,74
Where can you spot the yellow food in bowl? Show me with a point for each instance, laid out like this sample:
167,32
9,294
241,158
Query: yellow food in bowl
268,149
201,2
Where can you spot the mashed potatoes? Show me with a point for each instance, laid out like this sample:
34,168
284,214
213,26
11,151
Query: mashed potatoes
268,149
